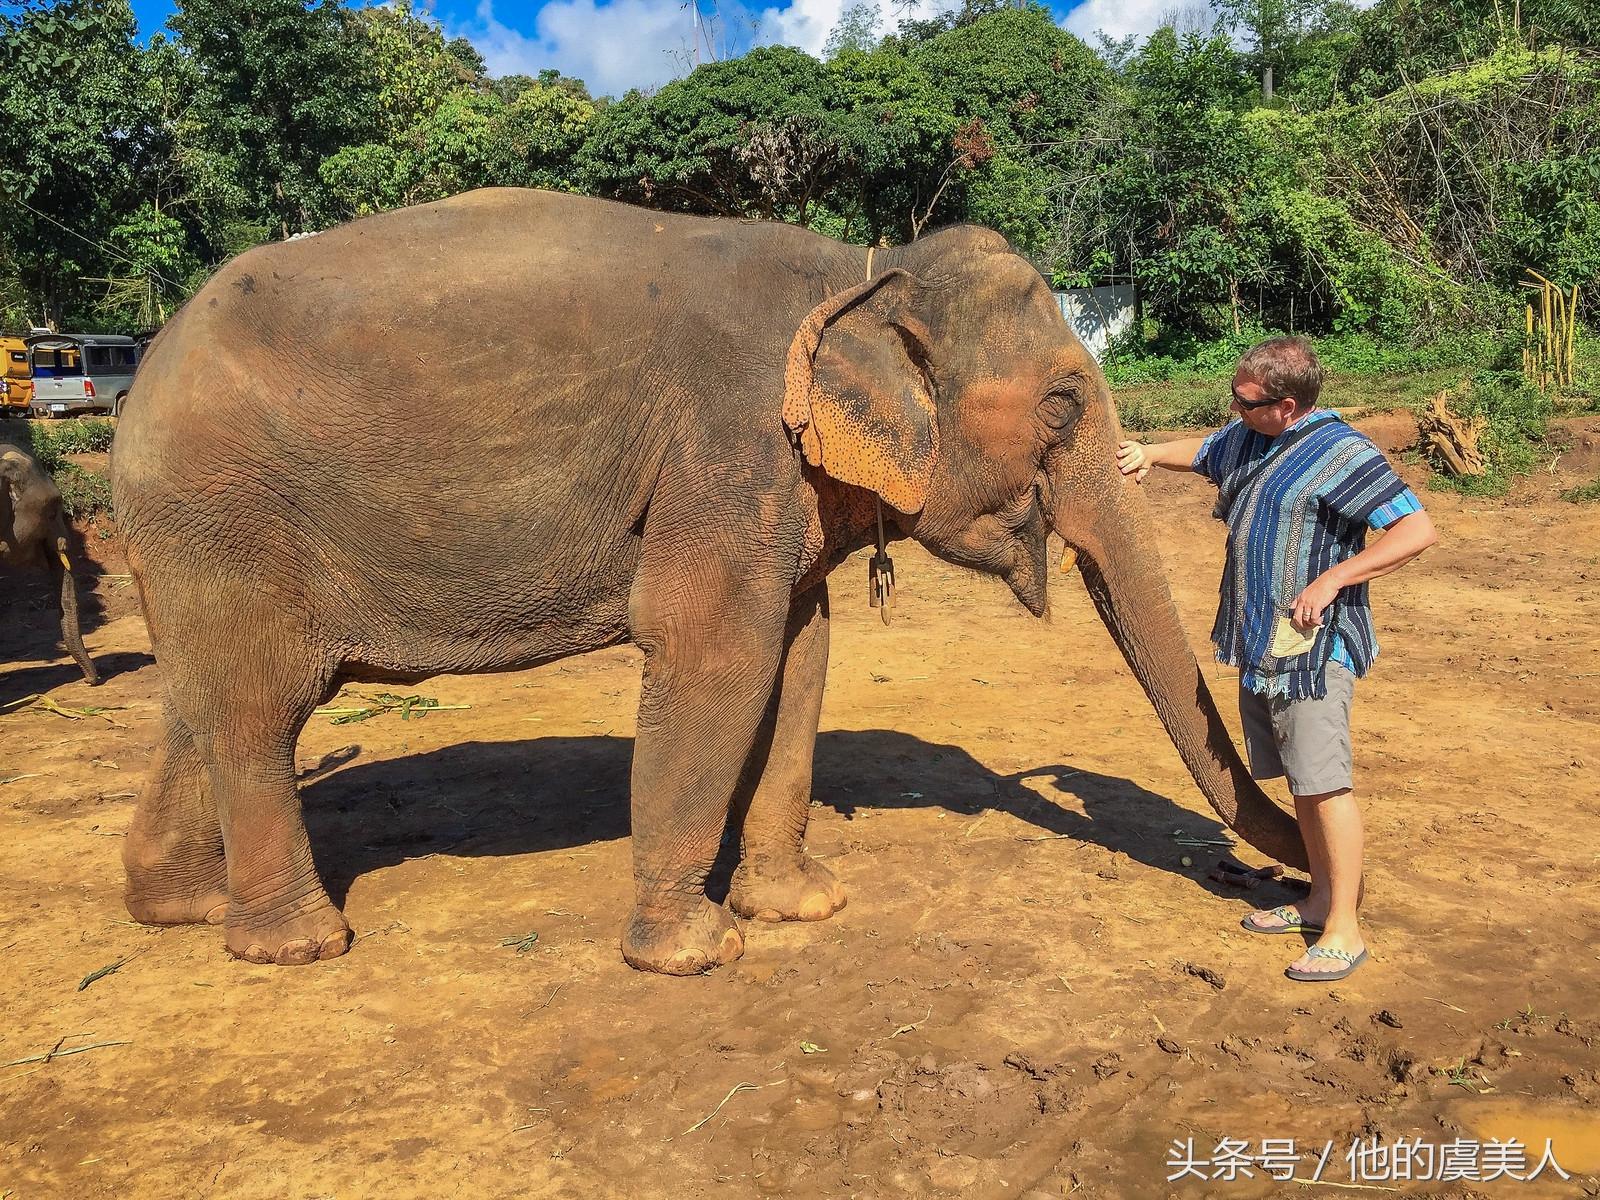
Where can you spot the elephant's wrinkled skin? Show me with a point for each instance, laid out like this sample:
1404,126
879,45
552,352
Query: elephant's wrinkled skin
671,429
33,534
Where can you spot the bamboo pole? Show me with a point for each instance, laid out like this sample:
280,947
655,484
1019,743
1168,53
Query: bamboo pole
1549,354
1572,331
1558,334
1549,345
1527,349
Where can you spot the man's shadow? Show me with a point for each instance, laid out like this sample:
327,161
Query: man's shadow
493,799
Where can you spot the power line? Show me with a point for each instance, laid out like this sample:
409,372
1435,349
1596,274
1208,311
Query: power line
101,246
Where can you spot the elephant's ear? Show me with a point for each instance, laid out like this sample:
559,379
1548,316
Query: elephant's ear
857,391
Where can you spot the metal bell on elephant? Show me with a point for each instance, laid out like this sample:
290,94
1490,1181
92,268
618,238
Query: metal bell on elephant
880,580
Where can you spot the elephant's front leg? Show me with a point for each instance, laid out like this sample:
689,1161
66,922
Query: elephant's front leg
711,647
776,880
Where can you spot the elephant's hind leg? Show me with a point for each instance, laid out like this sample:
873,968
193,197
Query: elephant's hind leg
244,701
776,880
177,874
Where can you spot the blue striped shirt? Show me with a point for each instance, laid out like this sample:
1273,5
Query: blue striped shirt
1306,511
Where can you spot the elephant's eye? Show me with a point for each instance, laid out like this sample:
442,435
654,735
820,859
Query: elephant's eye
1060,406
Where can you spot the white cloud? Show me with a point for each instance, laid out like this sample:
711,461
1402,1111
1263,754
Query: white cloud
806,24
613,45
1117,18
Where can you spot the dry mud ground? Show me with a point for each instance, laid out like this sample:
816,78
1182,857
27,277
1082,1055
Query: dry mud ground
1003,1009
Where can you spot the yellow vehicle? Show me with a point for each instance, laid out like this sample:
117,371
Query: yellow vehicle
16,378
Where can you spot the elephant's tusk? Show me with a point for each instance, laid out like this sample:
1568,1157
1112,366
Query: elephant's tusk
1069,559
65,561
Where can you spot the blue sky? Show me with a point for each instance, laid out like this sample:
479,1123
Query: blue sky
616,44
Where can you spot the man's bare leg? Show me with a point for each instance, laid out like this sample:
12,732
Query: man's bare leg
1330,822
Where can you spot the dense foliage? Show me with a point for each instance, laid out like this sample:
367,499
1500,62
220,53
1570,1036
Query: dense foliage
1383,175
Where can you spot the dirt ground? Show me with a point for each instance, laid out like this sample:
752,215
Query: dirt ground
1030,993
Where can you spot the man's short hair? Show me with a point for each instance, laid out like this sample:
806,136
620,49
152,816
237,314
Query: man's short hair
1286,366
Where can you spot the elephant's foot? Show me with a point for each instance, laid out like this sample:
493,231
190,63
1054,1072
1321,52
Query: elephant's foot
171,891
304,932
673,943
799,889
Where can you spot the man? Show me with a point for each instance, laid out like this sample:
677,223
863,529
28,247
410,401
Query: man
1298,489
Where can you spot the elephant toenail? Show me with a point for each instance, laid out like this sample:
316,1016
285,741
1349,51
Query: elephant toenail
335,944
296,953
816,908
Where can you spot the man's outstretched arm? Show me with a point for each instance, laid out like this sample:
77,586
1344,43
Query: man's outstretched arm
1136,459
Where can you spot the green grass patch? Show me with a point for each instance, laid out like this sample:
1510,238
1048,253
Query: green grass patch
1584,493
1516,423
1203,403
84,494
1180,358
51,441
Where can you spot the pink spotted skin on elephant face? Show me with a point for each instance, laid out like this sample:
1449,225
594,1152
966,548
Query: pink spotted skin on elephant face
679,425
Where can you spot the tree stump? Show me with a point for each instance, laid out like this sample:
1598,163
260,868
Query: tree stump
1449,439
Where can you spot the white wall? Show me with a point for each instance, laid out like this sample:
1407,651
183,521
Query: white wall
1097,315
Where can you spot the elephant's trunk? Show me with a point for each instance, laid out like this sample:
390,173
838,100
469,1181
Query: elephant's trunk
1125,577
67,589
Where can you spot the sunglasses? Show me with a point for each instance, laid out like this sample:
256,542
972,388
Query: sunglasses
1254,404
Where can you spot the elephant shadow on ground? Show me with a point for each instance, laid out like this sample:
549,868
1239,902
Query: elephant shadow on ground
481,799
31,638
31,631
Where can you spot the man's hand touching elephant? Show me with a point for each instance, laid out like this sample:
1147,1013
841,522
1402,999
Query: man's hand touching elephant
1136,459
1133,458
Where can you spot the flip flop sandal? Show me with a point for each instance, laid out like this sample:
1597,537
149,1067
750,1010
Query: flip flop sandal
1291,923
1344,956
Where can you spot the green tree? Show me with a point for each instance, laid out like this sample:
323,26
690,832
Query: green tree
1032,88
857,30
1270,27
758,135
1028,80
536,137
903,128
81,141
1185,194
414,68
1400,40
280,86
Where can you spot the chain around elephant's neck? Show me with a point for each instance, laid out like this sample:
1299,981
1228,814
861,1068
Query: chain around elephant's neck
880,571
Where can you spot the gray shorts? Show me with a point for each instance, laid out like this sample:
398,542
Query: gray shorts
1307,740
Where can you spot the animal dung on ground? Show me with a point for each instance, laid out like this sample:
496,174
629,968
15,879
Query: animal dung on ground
1205,973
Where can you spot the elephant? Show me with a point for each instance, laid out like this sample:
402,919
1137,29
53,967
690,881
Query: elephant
678,426
33,533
